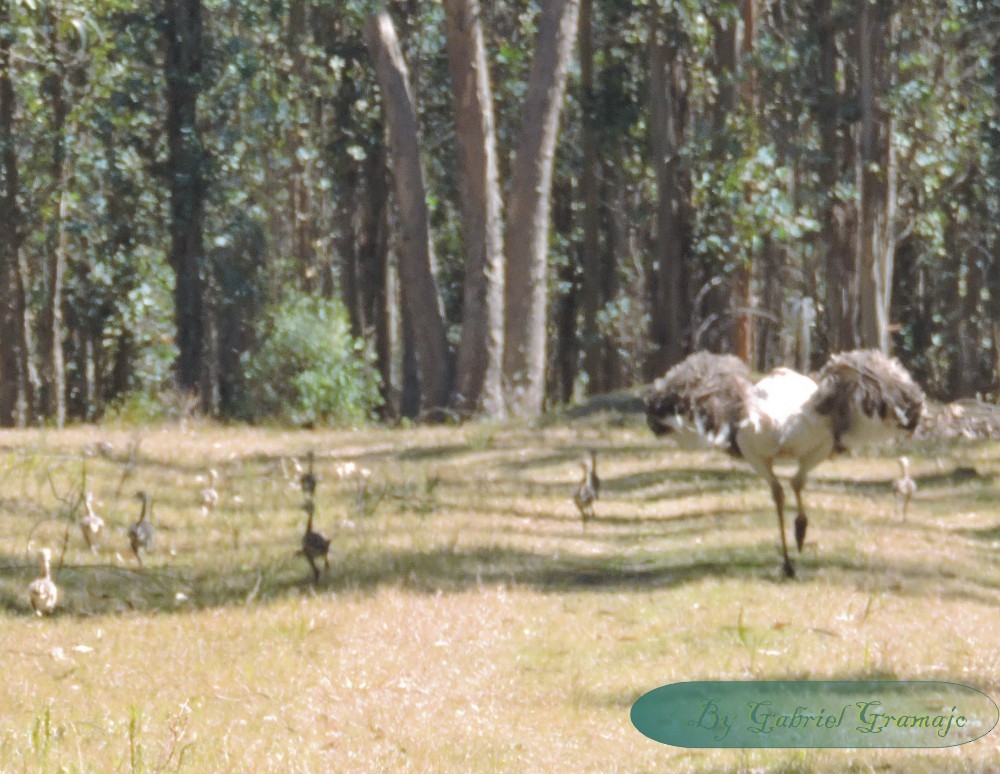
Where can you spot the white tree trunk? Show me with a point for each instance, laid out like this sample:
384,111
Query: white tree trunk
420,299
480,350
527,227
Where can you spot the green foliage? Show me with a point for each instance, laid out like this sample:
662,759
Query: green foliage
291,127
309,369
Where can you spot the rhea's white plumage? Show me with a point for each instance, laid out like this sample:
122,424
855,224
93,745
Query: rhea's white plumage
859,397
779,425
43,592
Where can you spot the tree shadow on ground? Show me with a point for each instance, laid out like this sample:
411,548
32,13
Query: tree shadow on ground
98,589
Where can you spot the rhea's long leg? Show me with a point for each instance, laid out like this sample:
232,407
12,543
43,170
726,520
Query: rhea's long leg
801,520
806,464
779,503
763,466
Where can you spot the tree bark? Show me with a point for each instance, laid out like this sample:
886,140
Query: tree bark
421,305
590,300
527,226
877,171
835,214
54,392
668,108
15,384
480,350
748,98
187,194
993,274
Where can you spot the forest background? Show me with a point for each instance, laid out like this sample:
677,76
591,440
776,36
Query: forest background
331,211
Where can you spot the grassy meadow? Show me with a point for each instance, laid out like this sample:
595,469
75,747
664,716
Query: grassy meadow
468,622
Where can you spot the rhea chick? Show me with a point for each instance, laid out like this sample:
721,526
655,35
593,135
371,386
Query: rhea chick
589,488
905,486
91,524
210,495
314,544
141,534
43,591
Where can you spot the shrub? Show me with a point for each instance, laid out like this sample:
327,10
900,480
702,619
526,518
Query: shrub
309,369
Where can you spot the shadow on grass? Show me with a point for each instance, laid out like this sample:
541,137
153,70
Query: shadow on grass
97,589
258,570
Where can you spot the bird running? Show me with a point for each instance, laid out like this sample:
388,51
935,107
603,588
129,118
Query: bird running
43,592
141,534
859,396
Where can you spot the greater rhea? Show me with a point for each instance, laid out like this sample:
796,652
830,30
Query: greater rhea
859,396
141,534
905,486
210,495
589,488
315,545
43,592
91,524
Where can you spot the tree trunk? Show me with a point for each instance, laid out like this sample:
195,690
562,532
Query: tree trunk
187,194
993,274
527,228
835,214
55,377
14,382
668,119
877,170
420,299
480,350
591,290
744,273
54,393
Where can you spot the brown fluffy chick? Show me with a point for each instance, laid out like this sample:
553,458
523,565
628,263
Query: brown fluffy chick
315,545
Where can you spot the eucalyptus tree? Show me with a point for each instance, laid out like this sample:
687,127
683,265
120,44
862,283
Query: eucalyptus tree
527,225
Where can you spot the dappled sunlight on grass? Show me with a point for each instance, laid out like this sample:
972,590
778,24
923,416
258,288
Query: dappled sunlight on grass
469,621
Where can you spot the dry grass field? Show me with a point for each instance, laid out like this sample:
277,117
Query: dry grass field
468,623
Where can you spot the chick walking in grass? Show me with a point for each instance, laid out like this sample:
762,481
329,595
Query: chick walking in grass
141,534
588,490
315,545
905,486
43,592
210,495
91,524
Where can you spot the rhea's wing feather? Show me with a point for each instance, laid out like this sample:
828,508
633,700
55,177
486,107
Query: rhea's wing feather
704,393
868,382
